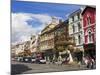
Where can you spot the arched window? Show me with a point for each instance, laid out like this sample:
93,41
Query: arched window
88,20
89,36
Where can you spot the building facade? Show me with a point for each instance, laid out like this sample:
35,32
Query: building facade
54,41
61,39
13,51
19,48
32,44
76,29
89,27
47,40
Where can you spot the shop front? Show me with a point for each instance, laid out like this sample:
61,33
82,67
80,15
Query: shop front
48,55
90,50
61,49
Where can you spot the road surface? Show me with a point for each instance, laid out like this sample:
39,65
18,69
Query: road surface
28,68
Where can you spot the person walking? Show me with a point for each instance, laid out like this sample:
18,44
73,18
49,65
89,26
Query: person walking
89,62
59,60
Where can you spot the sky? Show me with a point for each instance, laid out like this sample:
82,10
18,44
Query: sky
29,18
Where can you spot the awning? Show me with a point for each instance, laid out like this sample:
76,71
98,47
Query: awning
90,46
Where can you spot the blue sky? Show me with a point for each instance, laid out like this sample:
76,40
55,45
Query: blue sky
52,9
29,18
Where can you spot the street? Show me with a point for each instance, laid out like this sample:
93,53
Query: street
27,68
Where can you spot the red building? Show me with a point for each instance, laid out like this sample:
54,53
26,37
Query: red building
89,26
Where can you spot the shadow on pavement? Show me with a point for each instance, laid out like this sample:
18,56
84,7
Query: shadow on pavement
18,69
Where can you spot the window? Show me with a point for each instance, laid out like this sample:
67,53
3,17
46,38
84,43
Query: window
89,37
88,20
79,38
79,26
74,39
31,38
73,18
73,28
78,15
33,42
70,29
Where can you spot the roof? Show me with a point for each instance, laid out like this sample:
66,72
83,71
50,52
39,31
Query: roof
92,7
73,13
57,26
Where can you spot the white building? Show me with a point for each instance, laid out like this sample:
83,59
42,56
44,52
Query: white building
19,48
33,43
76,29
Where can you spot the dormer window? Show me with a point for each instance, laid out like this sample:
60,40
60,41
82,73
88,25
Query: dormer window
73,19
78,15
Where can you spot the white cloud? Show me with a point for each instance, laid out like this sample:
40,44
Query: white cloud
21,30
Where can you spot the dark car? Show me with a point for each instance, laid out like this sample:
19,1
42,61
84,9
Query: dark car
27,59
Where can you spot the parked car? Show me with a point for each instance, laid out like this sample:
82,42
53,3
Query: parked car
20,59
27,59
43,61
33,60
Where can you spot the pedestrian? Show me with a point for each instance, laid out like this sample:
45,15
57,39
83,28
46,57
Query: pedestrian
59,60
93,63
90,63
